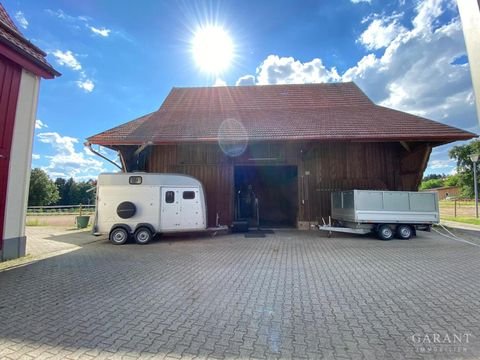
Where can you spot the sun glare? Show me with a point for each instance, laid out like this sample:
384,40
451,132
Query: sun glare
212,49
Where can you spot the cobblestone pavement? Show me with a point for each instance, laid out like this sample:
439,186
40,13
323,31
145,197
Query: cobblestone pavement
290,295
44,240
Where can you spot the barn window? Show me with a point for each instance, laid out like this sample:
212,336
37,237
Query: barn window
169,197
189,195
135,180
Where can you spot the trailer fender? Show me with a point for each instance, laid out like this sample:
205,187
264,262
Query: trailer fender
149,226
124,226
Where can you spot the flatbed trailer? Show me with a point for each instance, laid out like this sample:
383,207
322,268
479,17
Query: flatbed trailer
386,213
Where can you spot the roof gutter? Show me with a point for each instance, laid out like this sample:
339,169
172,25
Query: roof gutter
89,146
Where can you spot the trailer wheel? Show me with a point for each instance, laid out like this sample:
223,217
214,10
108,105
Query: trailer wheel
404,232
142,235
118,236
385,232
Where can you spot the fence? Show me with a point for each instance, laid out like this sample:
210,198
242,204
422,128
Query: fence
451,208
457,208
60,209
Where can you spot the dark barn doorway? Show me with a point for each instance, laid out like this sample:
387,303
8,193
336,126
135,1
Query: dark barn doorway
276,189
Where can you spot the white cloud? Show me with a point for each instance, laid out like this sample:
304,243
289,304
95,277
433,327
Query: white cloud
442,164
361,1
86,84
380,33
246,80
66,161
79,22
39,124
62,15
35,156
102,32
63,144
220,82
59,14
427,13
287,70
22,21
66,58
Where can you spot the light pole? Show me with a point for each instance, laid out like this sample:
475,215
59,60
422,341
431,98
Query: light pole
474,158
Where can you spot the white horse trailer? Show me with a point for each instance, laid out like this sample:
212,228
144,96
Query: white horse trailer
386,213
146,204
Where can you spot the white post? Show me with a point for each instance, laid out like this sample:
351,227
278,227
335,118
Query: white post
475,186
470,16
474,158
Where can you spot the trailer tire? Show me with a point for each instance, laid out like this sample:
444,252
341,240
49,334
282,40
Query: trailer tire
385,232
143,235
404,232
118,236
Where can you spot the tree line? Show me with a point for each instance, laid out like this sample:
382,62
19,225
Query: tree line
45,191
463,177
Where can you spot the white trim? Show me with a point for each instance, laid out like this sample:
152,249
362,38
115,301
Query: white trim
470,15
21,156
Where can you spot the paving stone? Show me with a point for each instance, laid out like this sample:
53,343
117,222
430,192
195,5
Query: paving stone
290,295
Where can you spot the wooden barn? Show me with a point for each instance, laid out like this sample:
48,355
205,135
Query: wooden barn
292,145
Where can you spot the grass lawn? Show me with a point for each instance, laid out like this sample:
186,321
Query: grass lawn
466,220
451,203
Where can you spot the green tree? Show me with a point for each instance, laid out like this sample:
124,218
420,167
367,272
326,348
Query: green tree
465,166
86,196
74,193
42,189
60,183
71,192
452,180
431,184
433,177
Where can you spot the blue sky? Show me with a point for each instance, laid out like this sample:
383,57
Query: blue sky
119,60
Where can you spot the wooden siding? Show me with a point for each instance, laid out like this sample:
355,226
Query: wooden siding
322,168
331,167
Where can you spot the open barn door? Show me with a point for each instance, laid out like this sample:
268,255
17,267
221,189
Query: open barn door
275,187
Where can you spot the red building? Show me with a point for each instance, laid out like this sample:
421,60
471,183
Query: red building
22,65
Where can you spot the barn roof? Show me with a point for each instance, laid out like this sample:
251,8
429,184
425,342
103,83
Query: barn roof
338,111
17,48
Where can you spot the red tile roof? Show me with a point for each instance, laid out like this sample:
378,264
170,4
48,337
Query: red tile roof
16,44
338,111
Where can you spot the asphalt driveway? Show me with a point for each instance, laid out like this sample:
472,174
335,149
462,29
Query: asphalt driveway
291,294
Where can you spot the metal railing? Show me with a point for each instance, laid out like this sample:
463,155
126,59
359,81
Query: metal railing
457,208
60,209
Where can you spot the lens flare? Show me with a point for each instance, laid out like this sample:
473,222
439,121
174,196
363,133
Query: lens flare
232,137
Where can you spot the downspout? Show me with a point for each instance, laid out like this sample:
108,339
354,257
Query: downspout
89,146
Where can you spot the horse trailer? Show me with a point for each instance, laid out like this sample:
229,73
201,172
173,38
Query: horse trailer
145,204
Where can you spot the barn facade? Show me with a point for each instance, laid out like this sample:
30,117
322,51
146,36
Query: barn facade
291,145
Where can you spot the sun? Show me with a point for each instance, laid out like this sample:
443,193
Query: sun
212,49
